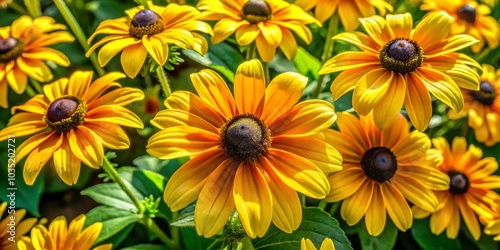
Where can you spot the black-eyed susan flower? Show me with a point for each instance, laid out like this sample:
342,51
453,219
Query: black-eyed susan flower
268,23
469,18
349,11
13,227
253,152
399,65
492,220
61,236
4,3
24,51
307,244
382,171
483,107
472,181
149,31
71,122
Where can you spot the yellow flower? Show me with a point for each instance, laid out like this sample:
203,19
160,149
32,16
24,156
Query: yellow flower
267,22
4,3
470,18
13,227
492,224
60,236
381,170
399,65
349,11
149,31
71,123
307,244
483,107
471,183
253,152
23,50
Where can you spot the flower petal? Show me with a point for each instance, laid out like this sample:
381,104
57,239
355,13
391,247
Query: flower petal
112,135
387,110
442,87
287,209
39,156
345,183
418,102
433,28
86,145
354,207
375,217
397,207
189,102
249,87
213,90
132,59
371,89
114,114
401,24
157,49
67,165
122,96
350,60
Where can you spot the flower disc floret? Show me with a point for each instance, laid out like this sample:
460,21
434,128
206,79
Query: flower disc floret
467,12
146,22
401,56
486,94
10,49
459,182
65,113
256,11
379,163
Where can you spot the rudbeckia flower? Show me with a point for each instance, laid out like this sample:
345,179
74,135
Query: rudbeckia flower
492,225
399,65
149,31
382,170
60,236
5,3
472,181
71,122
483,107
349,11
253,152
23,52
265,22
307,244
470,18
19,226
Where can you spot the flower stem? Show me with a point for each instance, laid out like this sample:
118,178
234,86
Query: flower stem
174,231
169,243
251,51
15,6
322,204
77,30
29,91
163,81
33,8
145,4
36,85
266,72
327,50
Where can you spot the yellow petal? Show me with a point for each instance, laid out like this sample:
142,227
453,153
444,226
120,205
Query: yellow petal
349,60
48,54
387,109
132,59
433,28
157,49
122,97
112,48
31,67
114,114
287,210
378,29
67,165
79,82
213,90
401,24
246,34
249,87
418,102
371,89
375,217
172,117
345,183
442,87
397,207
266,50
86,145
354,207
39,156
112,135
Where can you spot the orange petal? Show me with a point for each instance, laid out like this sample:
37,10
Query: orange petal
39,156
397,207
112,135
375,214
114,114
86,145
249,87
67,165
213,90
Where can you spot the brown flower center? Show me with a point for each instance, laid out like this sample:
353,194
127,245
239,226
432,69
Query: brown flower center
401,56
245,137
467,12
486,94
10,49
256,11
459,182
65,113
146,22
379,163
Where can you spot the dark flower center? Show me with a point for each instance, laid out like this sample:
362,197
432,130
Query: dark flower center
401,56
467,12
151,106
256,11
459,183
10,49
65,113
146,22
245,137
486,94
379,163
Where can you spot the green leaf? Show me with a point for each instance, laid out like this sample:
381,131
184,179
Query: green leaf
186,217
220,57
428,241
316,225
107,9
485,242
386,240
192,241
306,64
115,222
145,247
112,195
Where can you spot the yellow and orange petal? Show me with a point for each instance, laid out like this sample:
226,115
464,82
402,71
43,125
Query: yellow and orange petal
382,171
13,227
59,235
150,32
349,11
266,23
307,244
482,107
399,65
492,220
25,49
470,18
252,152
71,123
470,193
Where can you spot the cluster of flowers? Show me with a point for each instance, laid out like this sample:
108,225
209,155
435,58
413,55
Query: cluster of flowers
255,148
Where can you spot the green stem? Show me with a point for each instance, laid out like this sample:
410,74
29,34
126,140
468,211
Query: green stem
30,91
36,85
322,204
145,4
251,51
33,8
116,178
151,225
302,199
327,51
174,231
15,6
163,81
77,30
147,77
333,209
266,72
486,51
